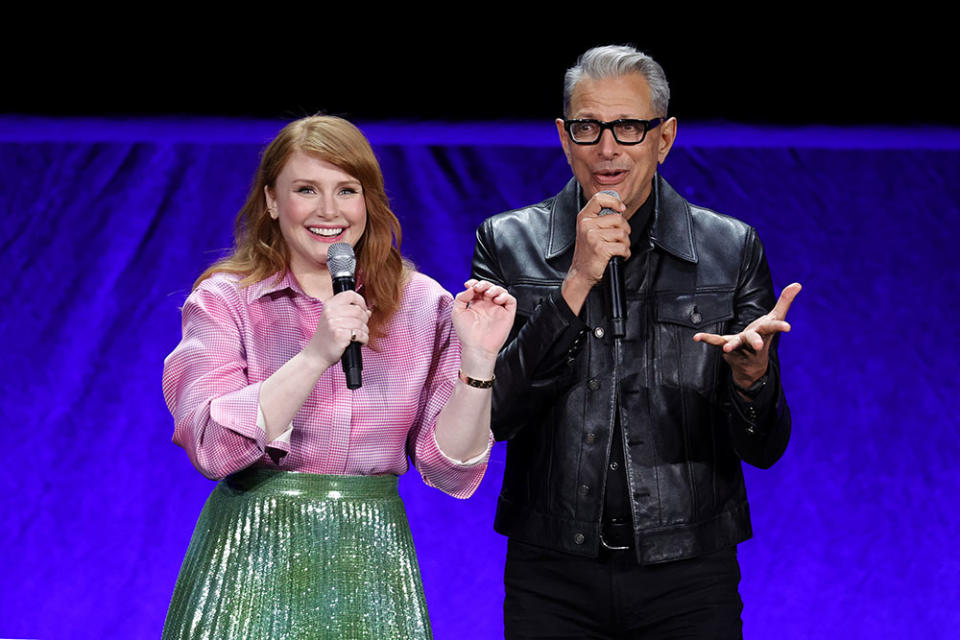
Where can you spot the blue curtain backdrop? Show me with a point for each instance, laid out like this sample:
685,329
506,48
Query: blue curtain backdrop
107,223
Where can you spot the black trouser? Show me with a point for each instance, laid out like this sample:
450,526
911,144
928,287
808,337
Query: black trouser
556,595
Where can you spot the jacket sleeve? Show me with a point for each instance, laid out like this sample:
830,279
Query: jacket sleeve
760,429
533,367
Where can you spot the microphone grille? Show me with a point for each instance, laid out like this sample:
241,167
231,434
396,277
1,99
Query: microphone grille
606,211
340,260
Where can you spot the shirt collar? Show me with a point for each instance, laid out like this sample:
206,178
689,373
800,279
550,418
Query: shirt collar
272,284
279,282
640,224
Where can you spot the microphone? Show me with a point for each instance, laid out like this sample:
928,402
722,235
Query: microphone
618,307
342,263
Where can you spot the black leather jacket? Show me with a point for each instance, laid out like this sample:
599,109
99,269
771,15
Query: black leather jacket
560,380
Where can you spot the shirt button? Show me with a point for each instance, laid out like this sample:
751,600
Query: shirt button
591,438
584,489
578,538
598,332
614,466
593,384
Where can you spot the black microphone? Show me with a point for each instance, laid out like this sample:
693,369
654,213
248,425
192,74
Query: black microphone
342,263
618,307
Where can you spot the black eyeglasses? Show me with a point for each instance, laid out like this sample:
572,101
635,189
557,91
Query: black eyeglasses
625,131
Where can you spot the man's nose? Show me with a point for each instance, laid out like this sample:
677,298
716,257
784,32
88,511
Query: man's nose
608,145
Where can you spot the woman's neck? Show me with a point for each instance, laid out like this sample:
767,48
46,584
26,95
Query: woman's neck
315,283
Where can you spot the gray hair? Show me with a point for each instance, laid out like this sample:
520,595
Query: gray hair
613,61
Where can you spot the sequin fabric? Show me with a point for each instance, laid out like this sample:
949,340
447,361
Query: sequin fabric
287,555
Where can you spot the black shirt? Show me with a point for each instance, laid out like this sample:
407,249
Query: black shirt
616,501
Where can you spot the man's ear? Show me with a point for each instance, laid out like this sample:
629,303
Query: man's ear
668,133
564,138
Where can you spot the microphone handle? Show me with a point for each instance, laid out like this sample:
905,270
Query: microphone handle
351,360
618,312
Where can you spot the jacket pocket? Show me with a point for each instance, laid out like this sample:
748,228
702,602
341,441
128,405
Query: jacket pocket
679,361
529,295
699,311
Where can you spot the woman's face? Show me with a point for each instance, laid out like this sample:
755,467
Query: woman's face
317,204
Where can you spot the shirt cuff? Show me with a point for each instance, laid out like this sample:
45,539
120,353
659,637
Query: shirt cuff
562,335
566,313
478,459
237,411
281,442
754,412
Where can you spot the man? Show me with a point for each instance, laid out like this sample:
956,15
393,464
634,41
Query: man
623,496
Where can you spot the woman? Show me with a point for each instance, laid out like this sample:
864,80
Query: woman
305,535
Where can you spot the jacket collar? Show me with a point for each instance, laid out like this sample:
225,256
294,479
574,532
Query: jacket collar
563,220
671,230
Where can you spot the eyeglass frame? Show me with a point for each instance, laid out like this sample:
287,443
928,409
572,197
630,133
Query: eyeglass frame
653,123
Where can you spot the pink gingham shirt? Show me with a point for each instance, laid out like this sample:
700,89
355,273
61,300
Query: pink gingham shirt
234,338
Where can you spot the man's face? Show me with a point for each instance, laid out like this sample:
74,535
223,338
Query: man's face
627,169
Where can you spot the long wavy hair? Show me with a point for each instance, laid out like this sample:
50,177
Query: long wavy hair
259,248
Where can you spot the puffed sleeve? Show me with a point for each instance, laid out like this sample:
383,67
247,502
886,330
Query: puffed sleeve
459,479
214,406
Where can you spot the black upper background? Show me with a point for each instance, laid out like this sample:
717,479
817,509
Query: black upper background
733,70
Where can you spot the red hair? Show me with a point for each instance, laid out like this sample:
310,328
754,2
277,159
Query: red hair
259,248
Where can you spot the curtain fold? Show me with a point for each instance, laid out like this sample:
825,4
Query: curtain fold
106,225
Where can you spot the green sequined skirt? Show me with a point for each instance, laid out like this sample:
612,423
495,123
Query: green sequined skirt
299,555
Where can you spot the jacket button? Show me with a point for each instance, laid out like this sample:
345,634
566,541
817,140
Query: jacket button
584,489
614,466
593,384
578,538
591,438
695,316
598,332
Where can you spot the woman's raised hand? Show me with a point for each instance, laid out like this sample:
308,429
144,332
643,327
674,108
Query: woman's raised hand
482,316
